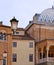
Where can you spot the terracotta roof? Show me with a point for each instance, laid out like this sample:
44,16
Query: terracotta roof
22,37
21,29
29,25
10,27
52,39
4,26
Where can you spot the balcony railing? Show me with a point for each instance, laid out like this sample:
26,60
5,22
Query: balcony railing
50,59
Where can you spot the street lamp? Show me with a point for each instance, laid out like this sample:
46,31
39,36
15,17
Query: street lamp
5,58
5,54
14,23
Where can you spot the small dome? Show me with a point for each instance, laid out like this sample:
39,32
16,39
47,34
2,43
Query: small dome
47,16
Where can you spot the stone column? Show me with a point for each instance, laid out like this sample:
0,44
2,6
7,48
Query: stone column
42,53
36,54
47,53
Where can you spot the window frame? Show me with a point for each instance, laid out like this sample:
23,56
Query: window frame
30,57
30,44
14,57
4,62
17,33
14,44
2,36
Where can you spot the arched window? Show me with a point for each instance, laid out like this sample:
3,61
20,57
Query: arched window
2,36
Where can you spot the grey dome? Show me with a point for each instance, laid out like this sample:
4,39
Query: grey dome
47,16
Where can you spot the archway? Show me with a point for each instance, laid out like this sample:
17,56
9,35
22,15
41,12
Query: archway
51,51
39,53
44,52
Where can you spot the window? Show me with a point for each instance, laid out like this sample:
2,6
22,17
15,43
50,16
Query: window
31,45
17,32
2,36
14,44
4,62
31,57
14,57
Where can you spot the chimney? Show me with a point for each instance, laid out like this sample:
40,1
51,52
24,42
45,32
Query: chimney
1,22
30,22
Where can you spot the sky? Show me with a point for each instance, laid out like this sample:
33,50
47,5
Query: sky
23,10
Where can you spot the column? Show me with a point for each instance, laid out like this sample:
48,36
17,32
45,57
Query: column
36,55
41,60
42,52
47,53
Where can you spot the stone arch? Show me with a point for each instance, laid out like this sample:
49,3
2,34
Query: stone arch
39,53
51,51
3,31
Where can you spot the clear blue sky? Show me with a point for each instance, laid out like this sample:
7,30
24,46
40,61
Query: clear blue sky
23,10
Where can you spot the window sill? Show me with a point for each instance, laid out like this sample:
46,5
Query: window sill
3,40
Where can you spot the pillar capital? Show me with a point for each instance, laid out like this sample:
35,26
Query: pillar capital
47,48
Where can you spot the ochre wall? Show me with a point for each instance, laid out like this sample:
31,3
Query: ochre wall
22,50
21,32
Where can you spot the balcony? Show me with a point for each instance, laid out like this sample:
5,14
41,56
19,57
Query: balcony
45,54
49,59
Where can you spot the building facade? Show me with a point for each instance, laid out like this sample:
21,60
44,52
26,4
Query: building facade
41,28
16,48
33,45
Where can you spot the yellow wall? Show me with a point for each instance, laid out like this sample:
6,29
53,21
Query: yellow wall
23,52
21,32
